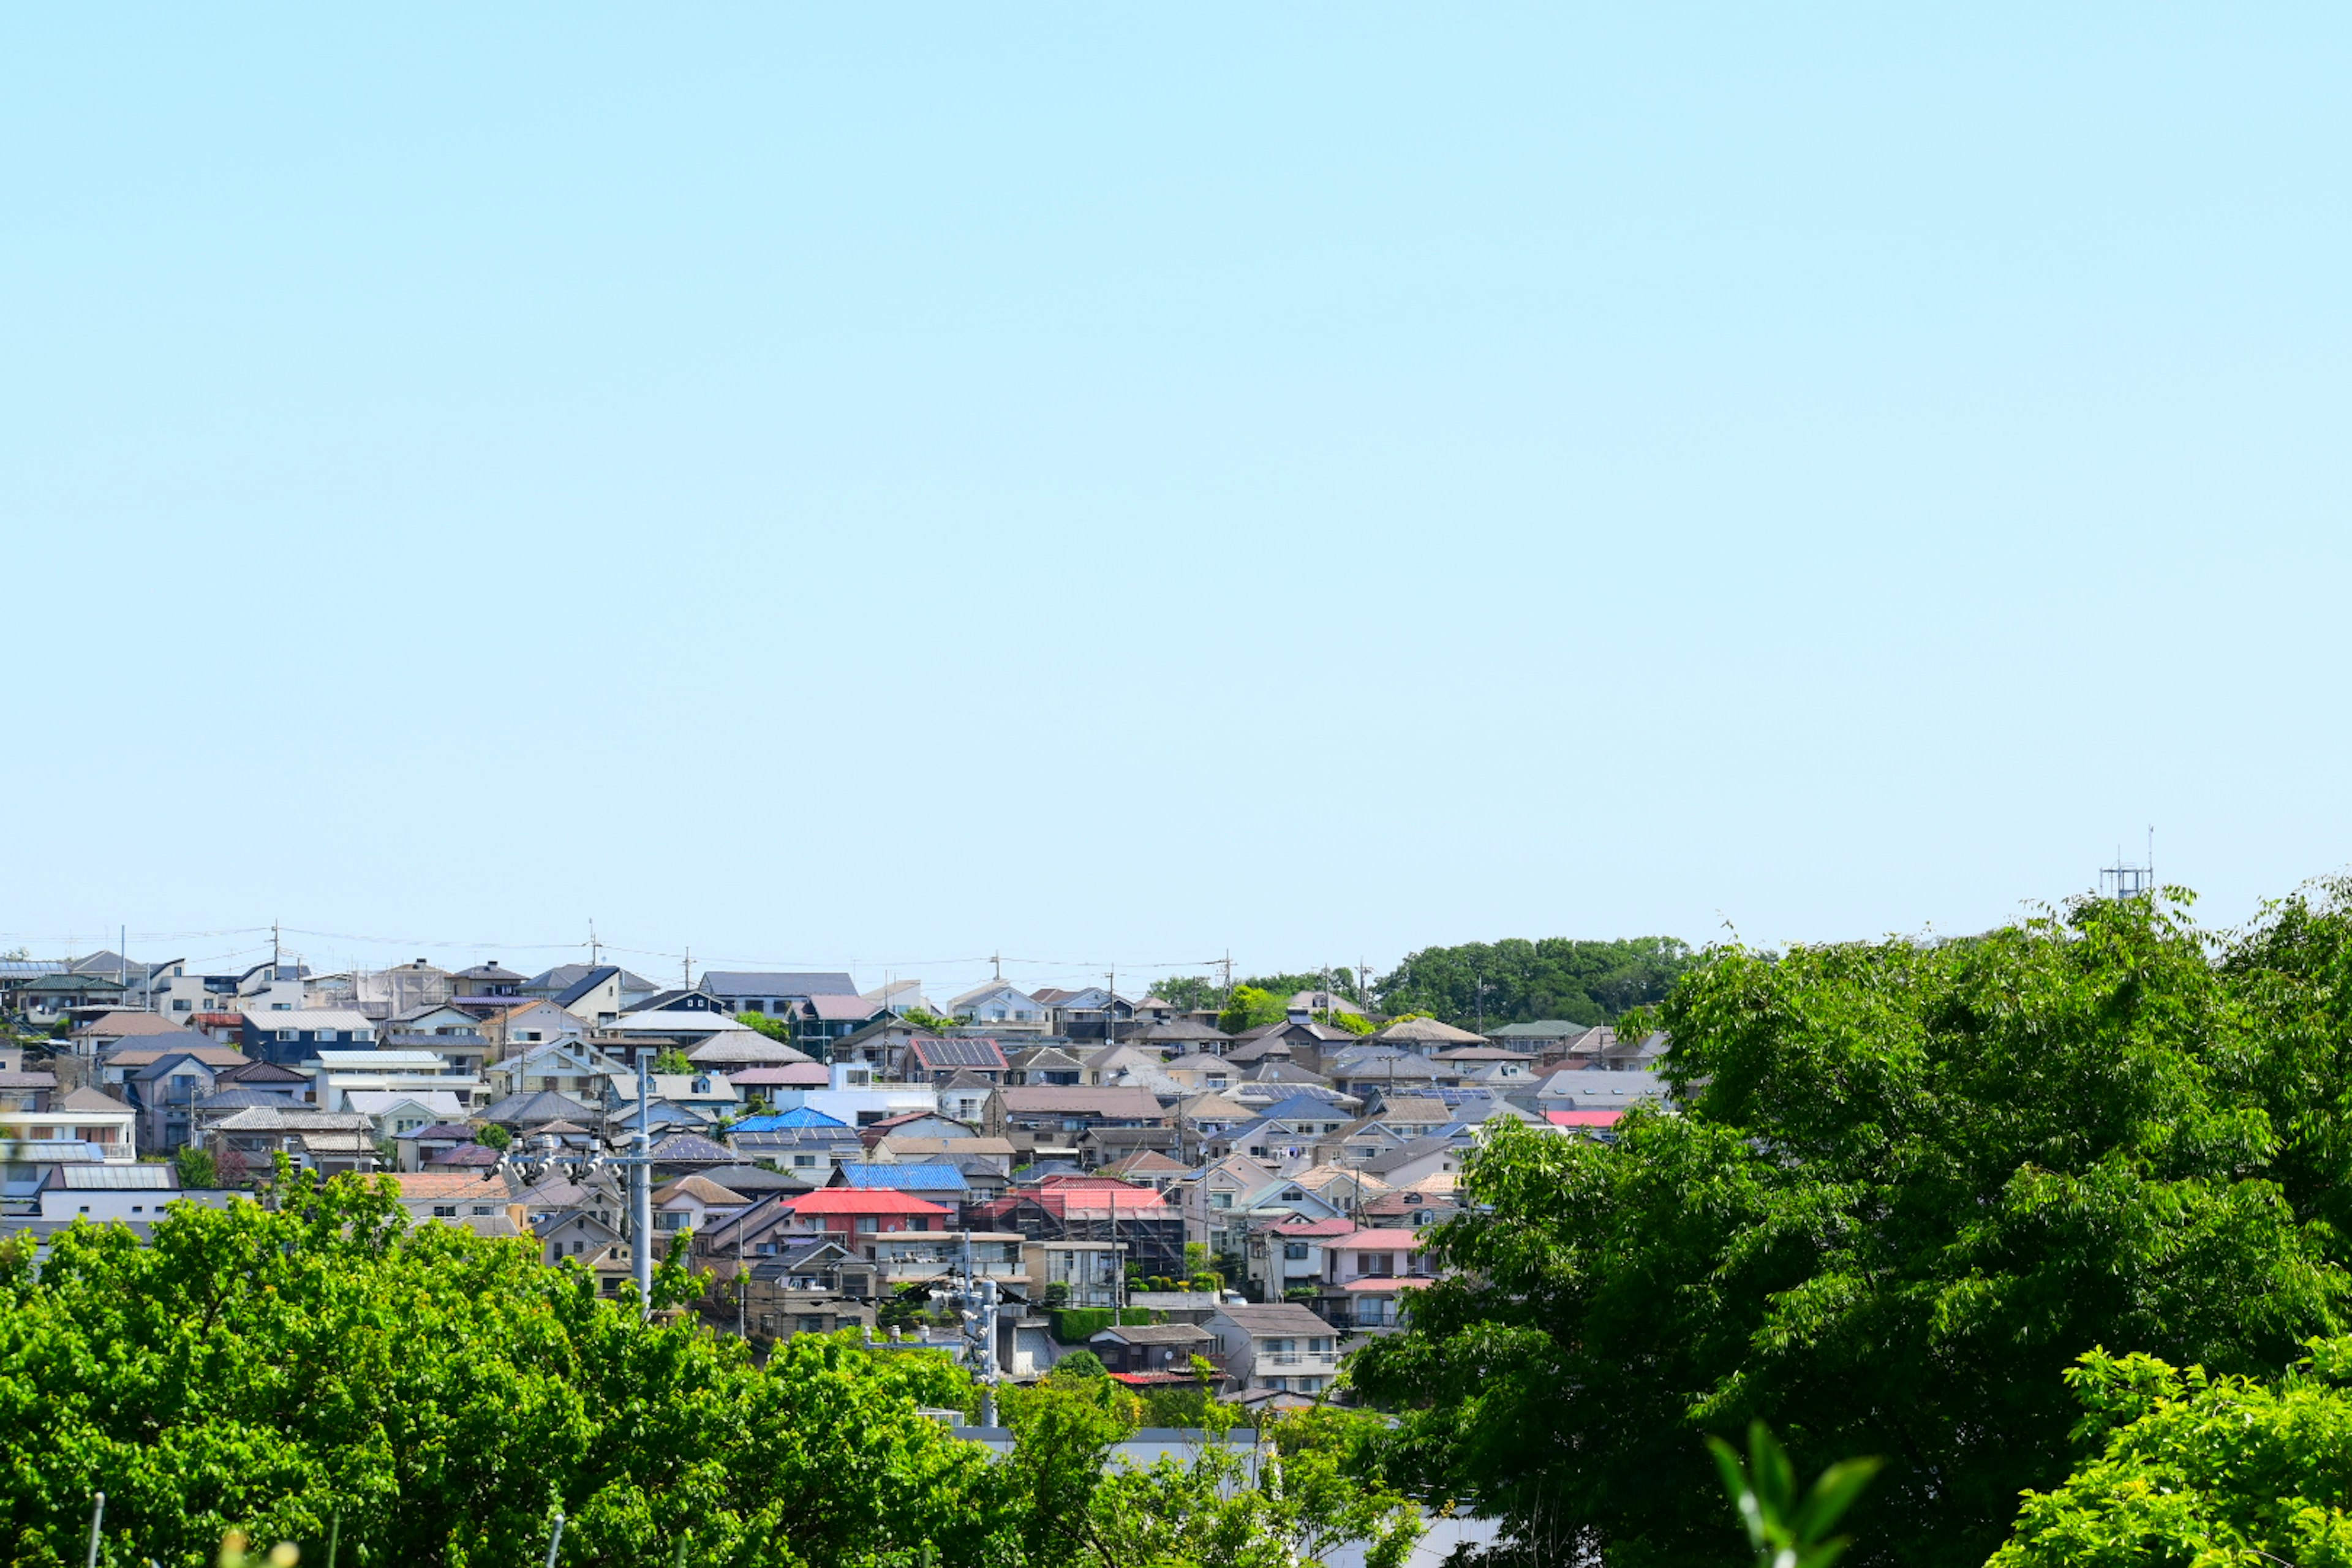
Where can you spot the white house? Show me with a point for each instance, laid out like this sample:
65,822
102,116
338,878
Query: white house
999,1002
1280,1346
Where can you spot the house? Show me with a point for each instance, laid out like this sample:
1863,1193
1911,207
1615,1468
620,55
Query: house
49,999
461,1198
1287,1254
93,1037
526,1112
568,1066
856,1095
396,1112
1095,1209
1411,1164
1044,1065
1181,1037
511,1024
914,1124
280,987
1137,1348
1049,1116
452,1032
164,1092
999,1003
1538,1038
964,1097
22,1090
933,1058
382,993
1088,1013
337,1073
1280,1346
1599,1089
937,1180
803,1140
1425,1036
694,1203
486,979
80,1124
853,1216
100,1193
595,993
295,1036
774,993
1306,1003
332,1143
707,1097
1369,1279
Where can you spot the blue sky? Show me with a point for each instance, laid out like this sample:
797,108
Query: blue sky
1122,486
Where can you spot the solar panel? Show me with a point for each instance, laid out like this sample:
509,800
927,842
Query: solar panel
959,1053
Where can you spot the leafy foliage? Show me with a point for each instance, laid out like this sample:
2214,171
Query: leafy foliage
1249,1007
1784,1531
491,1135
1189,993
670,1059
1581,982
1909,1184
442,1394
934,1021
197,1170
2195,1468
1319,1489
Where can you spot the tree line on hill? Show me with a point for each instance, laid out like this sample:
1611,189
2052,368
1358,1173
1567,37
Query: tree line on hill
1476,984
2056,1222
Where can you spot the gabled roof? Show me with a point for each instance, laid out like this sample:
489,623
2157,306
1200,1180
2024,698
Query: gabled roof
539,1105
701,1187
901,1177
1077,1099
1157,1334
1273,1318
1303,1108
690,1149
861,1201
147,1053
782,1120
1145,1163
959,1053
987,989
1180,1029
1428,1031
87,1099
1417,1108
123,1023
804,982
1382,1240
1045,1058
830,1008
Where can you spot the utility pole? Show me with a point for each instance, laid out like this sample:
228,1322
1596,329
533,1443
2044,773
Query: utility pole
686,971
641,1193
1225,997
595,953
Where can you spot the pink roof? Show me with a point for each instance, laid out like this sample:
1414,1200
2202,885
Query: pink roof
860,1200
1583,1118
1382,1241
792,1075
1400,1282
1294,1225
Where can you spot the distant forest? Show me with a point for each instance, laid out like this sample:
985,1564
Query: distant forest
1480,984
1509,982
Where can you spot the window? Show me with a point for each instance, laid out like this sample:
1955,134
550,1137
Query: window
281,1006
802,1161
326,1037
444,1211
1295,1251
183,1006
1378,1263
812,1323
869,1222
286,1035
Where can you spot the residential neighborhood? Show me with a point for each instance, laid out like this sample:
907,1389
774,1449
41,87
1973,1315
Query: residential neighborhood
1129,1175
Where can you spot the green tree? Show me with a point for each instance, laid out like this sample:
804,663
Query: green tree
781,1029
1517,981
670,1059
938,1024
277,1368
2193,1469
196,1168
1250,1007
1189,993
1908,1185
491,1135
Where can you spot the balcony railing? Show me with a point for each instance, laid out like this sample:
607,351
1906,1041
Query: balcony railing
1325,1360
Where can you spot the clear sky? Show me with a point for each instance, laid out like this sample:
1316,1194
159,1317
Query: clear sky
1119,485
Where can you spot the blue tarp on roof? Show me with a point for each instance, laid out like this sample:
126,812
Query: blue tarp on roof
904,1178
789,1120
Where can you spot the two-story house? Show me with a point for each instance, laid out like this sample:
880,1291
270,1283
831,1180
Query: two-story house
1280,1346
1369,1279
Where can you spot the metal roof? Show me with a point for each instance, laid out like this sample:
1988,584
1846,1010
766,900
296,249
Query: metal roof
904,1178
778,982
969,1052
118,1178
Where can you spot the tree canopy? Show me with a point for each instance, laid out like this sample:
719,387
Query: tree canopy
1517,981
1907,1185
434,1397
2194,1468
